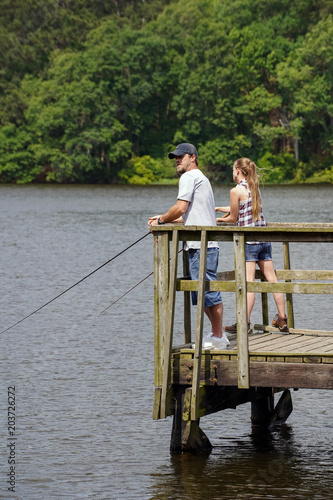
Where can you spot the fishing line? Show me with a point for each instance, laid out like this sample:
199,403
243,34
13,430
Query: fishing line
75,284
128,291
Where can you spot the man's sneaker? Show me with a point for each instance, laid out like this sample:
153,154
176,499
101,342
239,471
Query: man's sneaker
233,328
211,342
280,323
224,336
205,343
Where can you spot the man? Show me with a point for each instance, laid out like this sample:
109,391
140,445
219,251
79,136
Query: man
195,206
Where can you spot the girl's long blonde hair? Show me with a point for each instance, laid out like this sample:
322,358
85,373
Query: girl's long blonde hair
249,170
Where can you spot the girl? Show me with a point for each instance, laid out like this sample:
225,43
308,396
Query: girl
246,209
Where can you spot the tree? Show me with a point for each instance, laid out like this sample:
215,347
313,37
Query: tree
306,82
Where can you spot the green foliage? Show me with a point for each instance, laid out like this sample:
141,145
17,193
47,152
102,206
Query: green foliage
317,170
138,171
325,176
16,158
219,155
306,82
146,170
89,89
276,169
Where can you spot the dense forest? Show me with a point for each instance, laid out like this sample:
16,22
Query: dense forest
99,91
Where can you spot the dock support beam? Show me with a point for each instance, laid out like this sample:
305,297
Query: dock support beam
186,434
263,412
262,407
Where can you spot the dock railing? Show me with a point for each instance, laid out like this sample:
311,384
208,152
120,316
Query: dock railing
167,240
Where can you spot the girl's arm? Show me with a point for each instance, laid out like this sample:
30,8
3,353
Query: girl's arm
234,207
222,209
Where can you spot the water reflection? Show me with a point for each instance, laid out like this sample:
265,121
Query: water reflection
263,465
264,440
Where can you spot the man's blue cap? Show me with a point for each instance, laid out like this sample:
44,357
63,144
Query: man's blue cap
183,149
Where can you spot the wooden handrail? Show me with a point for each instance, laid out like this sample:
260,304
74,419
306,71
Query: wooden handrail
285,274
257,286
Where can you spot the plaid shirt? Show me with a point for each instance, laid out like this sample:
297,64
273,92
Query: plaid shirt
245,211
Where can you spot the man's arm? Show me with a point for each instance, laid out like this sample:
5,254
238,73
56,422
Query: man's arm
174,214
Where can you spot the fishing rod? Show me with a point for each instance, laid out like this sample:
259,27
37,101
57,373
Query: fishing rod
75,284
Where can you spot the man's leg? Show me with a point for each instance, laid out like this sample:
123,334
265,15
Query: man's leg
215,315
214,312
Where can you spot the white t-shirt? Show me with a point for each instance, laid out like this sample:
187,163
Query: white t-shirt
195,188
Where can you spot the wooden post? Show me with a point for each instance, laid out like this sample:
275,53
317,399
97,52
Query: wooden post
264,306
161,290
186,434
262,407
241,312
282,410
199,326
289,296
263,412
170,312
187,301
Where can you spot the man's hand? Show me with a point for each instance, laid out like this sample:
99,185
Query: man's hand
173,215
152,221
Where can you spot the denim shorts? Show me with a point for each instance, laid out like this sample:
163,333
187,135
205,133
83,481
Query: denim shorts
211,298
258,251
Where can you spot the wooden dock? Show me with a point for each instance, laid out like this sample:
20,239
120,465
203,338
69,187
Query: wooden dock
191,383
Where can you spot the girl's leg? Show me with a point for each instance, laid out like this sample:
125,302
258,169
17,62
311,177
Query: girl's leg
250,276
267,268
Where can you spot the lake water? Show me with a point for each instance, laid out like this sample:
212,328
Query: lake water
84,381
